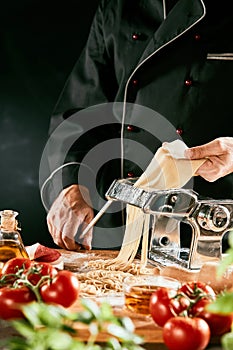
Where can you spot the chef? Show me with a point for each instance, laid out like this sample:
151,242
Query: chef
151,72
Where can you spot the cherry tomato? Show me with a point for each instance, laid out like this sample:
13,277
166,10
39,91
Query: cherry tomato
12,300
38,270
186,333
12,270
218,323
197,289
62,290
15,264
34,270
164,305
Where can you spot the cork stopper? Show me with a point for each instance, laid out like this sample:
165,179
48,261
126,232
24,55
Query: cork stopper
8,220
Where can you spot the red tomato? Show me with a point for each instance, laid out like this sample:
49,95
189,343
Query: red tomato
39,270
185,333
218,323
34,270
197,289
15,264
12,300
164,305
12,270
63,289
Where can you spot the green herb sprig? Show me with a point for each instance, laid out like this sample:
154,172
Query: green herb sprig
50,327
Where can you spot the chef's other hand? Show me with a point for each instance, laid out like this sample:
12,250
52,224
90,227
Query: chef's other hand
219,154
70,212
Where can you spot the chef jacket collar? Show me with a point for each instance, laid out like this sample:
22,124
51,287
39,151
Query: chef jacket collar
183,16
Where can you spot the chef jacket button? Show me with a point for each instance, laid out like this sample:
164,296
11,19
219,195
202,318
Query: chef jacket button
179,131
135,82
188,82
130,174
135,36
130,128
197,37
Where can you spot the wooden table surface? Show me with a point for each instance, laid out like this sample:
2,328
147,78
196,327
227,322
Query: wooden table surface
144,325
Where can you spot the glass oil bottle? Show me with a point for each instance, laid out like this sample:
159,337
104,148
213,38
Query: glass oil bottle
11,244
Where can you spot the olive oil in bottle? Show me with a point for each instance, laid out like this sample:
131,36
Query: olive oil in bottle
11,244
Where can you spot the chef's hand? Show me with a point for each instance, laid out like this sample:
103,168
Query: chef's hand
219,154
71,211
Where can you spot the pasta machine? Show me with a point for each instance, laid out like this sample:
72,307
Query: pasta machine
175,212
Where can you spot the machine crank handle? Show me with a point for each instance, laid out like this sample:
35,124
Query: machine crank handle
96,218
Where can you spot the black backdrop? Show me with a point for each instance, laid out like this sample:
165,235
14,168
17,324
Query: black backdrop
39,44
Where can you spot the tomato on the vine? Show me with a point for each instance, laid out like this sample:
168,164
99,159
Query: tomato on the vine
12,270
40,269
41,281
218,323
201,295
165,303
186,333
13,265
16,268
12,300
197,289
63,289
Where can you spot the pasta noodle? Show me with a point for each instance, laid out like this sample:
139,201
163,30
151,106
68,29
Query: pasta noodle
164,171
101,282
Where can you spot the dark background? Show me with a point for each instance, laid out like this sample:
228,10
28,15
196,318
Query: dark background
39,44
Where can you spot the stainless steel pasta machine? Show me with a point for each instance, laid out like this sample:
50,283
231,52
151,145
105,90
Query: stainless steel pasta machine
174,210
